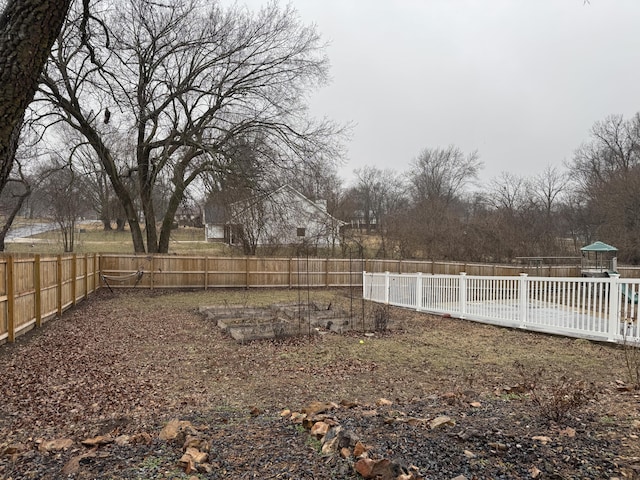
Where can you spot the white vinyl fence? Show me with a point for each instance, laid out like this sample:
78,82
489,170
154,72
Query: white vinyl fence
603,309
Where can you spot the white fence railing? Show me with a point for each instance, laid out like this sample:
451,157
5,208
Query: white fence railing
595,308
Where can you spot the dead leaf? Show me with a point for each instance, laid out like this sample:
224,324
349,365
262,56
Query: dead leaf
535,472
73,465
568,432
57,444
97,441
441,421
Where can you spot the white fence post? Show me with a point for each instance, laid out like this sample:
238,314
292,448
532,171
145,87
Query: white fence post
523,300
418,291
462,289
364,285
386,288
614,309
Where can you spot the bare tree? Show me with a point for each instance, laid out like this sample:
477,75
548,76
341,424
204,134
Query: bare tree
508,192
66,195
442,173
184,81
549,187
607,171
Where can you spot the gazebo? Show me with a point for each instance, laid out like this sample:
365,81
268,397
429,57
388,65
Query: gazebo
599,260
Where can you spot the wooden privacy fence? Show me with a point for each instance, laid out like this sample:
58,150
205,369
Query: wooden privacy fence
36,288
183,271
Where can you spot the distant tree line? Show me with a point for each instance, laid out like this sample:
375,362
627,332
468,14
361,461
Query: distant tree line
437,210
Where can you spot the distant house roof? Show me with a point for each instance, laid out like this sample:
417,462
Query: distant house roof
599,247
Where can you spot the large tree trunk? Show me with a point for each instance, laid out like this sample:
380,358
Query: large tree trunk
28,29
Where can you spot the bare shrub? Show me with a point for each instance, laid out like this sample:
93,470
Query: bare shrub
556,399
381,318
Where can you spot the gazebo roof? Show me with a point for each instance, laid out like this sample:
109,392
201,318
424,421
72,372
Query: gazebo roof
599,247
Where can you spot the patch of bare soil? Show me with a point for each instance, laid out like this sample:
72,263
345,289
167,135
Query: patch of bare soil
91,395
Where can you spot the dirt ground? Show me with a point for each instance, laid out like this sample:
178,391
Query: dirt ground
117,368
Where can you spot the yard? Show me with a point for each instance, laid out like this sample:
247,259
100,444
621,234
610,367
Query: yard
123,364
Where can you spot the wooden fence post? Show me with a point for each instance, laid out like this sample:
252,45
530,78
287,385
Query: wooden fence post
86,276
59,286
96,271
74,278
246,260
290,273
206,272
11,327
152,279
326,272
37,281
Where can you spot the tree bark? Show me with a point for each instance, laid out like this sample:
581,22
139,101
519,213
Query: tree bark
28,29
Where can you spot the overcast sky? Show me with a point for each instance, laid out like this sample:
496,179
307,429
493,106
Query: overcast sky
521,81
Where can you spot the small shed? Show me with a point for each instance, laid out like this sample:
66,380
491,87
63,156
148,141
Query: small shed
599,260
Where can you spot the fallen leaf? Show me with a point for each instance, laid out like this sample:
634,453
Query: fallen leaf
97,441
73,465
57,444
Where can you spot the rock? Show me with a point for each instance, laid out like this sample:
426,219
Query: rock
318,407
255,411
187,463
383,402
542,439
285,413
319,429
568,432
469,454
330,446
192,441
345,452
370,413
459,477
475,404
535,472
197,455
347,438
348,404
122,440
297,417
441,421
172,429
374,468
141,439
498,446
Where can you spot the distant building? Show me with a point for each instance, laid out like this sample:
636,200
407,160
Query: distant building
281,217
